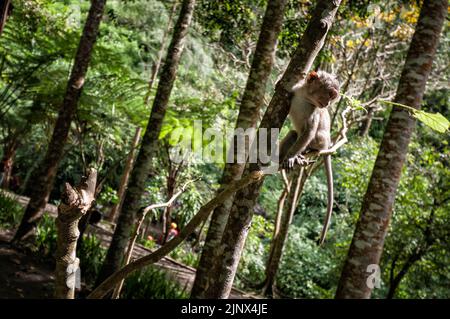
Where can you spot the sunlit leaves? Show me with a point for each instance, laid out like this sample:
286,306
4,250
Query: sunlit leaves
435,121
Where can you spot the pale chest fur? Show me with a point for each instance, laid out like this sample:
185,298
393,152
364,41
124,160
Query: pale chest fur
303,114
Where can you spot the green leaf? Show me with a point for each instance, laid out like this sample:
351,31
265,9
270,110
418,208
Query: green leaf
435,121
354,103
166,129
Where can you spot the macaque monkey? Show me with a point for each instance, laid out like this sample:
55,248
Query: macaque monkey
311,121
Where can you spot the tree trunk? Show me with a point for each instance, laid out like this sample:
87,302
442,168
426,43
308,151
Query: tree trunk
227,255
4,11
7,162
149,146
75,204
298,180
44,175
248,116
372,226
280,208
157,63
129,253
126,174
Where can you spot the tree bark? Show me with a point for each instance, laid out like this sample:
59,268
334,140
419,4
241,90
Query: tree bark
75,204
298,180
149,145
248,116
129,253
44,175
141,217
126,174
372,226
227,255
4,10
7,163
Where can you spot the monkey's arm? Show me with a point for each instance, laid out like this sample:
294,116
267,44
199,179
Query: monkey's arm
294,153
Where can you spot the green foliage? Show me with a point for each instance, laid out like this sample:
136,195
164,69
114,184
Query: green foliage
230,21
91,255
252,264
108,197
306,271
435,121
420,222
46,237
152,283
10,211
150,244
185,255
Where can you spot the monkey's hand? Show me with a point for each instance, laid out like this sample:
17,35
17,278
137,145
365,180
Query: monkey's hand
298,159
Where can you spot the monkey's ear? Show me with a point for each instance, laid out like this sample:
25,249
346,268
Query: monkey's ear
312,76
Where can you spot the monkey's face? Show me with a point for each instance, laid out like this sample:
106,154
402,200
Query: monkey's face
322,89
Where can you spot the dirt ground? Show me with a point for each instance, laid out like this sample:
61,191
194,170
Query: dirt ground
23,275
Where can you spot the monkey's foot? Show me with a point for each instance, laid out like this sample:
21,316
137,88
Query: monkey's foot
294,160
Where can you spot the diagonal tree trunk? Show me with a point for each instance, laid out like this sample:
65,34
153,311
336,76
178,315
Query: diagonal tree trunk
227,255
126,174
372,226
43,177
149,145
298,179
248,115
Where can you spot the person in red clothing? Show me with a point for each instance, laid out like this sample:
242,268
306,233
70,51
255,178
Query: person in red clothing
173,231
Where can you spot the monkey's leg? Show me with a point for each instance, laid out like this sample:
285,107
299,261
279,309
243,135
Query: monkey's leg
298,159
294,155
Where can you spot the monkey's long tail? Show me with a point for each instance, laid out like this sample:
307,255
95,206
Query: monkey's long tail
329,173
